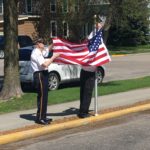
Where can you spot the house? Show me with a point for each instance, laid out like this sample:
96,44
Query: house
31,24
26,19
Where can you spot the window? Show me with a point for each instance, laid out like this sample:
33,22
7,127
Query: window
53,28
29,6
65,29
1,6
85,30
65,6
98,2
53,5
77,6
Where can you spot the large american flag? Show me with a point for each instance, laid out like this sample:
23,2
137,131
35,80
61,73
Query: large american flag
91,53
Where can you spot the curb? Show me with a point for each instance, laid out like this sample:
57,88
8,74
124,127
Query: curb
22,135
118,55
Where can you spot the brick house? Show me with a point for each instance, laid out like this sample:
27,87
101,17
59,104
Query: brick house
26,18
28,11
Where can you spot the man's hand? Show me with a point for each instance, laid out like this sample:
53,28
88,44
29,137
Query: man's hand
50,47
55,55
48,61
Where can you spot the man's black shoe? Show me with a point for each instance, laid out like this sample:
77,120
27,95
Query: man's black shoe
49,120
83,115
44,121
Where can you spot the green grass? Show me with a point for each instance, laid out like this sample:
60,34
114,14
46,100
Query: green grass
28,101
129,50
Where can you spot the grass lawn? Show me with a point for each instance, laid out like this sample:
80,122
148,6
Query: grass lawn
129,50
28,101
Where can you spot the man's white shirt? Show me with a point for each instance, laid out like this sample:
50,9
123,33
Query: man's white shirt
37,59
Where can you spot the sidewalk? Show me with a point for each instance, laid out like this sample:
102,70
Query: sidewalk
24,118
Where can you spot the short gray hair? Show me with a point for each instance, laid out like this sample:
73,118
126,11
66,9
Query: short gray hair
38,40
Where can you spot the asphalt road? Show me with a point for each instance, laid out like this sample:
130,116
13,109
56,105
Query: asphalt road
128,67
121,67
130,132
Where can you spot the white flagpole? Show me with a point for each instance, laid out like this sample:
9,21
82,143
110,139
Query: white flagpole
96,95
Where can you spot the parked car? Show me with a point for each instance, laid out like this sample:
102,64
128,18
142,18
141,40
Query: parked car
58,73
23,41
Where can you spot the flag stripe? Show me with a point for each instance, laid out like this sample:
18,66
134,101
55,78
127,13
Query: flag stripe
61,42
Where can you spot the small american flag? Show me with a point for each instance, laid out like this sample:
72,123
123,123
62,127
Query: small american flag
92,53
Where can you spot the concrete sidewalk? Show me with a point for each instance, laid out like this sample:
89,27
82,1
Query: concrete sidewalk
24,118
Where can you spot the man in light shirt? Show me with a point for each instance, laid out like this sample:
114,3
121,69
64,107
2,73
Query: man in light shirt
39,66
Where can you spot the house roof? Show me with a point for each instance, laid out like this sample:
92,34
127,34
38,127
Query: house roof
21,17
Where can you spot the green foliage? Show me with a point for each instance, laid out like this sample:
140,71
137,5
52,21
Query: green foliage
129,50
131,25
77,19
77,14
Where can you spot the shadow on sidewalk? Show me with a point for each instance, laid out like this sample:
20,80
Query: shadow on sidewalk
30,117
66,112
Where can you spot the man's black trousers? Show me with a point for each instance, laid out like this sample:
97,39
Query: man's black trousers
87,82
41,86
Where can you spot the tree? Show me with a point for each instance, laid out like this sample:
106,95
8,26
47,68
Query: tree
112,14
11,87
130,24
79,14
44,19
78,17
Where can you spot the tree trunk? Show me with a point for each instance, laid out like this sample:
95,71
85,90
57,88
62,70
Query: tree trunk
109,20
11,86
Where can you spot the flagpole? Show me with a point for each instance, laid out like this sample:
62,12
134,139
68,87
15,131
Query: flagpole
96,95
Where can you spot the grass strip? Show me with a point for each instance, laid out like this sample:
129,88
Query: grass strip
28,100
129,49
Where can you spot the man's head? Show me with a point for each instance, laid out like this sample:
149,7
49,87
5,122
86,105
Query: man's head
39,42
99,25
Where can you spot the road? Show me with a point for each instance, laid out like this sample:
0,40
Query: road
128,67
130,132
121,67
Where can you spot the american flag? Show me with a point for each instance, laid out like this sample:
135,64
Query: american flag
91,53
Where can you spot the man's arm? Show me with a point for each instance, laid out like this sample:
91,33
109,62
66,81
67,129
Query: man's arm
50,47
48,61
